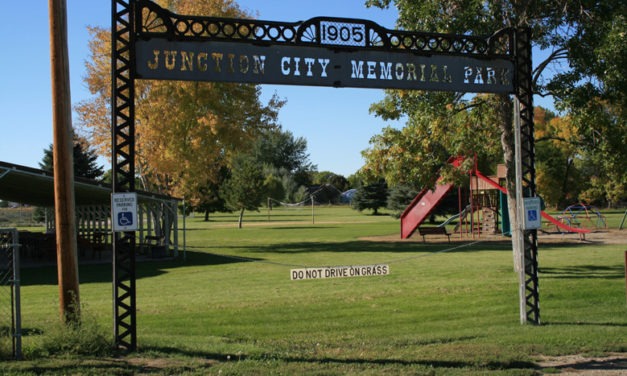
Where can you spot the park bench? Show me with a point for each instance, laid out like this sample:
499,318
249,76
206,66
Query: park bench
424,231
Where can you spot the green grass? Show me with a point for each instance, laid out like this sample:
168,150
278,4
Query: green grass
231,308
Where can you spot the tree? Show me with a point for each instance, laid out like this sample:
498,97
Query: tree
372,196
436,130
185,132
85,160
356,180
328,177
603,157
398,199
285,161
286,153
557,150
244,189
211,200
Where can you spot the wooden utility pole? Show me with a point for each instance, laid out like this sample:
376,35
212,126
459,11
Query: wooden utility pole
64,205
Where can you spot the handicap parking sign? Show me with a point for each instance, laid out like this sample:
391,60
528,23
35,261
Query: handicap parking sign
532,213
124,211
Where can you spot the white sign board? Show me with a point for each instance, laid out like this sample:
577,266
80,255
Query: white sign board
533,219
339,272
124,211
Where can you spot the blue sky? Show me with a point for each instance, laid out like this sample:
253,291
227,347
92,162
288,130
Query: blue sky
335,122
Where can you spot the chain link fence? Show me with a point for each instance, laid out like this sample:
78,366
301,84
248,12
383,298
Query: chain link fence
10,316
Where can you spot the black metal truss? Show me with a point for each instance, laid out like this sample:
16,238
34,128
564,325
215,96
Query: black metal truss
123,165
524,94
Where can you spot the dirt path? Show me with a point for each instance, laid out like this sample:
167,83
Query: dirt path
615,364
596,237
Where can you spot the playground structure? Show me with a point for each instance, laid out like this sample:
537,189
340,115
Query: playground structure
487,209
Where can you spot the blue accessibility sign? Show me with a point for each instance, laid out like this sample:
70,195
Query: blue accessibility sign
125,219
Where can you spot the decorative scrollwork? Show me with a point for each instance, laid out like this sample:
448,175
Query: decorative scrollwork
151,19
338,33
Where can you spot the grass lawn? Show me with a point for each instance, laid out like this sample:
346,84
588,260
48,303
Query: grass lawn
229,307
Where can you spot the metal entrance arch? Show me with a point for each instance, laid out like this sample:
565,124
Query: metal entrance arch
152,43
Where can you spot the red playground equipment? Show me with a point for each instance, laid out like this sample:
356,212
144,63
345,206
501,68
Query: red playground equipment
487,203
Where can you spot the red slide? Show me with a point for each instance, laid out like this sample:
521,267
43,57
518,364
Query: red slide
546,216
421,207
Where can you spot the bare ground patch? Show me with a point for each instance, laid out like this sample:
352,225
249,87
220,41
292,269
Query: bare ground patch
614,364
609,236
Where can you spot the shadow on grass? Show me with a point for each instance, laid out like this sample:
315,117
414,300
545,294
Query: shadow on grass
580,323
359,246
302,228
583,272
98,273
514,364
172,351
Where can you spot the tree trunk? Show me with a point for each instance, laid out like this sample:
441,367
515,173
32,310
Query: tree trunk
507,143
562,199
241,218
206,215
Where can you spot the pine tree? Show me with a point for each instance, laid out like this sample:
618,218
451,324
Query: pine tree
85,160
372,196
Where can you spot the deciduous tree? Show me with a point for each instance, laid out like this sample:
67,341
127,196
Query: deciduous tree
185,131
244,188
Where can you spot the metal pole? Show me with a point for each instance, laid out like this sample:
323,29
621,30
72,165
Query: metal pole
517,231
313,221
184,232
16,289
